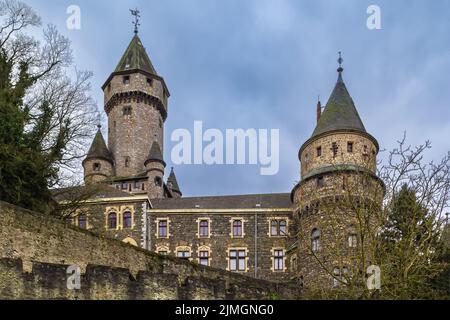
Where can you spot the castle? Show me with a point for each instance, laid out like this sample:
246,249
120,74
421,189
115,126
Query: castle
266,236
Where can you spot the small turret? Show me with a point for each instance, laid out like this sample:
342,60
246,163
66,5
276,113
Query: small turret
99,163
155,166
172,185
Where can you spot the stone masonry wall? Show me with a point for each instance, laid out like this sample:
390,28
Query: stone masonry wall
35,251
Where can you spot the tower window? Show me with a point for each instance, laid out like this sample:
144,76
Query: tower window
320,182
350,147
127,162
334,148
109,87
126,80
315,240
158,182
127,111
97,166
365,150
150,82
319,151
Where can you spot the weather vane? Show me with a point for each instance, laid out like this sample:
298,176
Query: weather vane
136,14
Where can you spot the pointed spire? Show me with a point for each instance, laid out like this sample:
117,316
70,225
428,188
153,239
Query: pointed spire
136,58
173,183
340,112
155,154
98,149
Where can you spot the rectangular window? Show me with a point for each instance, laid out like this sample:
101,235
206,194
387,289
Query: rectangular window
204,258
183,254
237,260
278,260
319,151
334,148
320,182
127,111
350,147
150,81
162,229
278,228
162,252
204,229
237,228
126,80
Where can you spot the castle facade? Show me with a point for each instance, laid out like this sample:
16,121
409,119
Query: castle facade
268,236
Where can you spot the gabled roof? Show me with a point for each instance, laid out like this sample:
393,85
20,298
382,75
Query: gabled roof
155,153
340,112
173,180
136,58
98,149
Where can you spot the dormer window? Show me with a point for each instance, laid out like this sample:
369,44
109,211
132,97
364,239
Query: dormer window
126,80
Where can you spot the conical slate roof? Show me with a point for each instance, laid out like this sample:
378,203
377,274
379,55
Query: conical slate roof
340,112
173,180
155,153
135,57
98,149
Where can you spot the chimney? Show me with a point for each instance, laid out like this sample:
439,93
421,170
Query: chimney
319,110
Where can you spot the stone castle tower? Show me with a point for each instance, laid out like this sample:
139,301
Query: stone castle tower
136,102
338,163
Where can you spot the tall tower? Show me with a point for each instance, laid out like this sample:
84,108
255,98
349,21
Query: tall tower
136,105
338,169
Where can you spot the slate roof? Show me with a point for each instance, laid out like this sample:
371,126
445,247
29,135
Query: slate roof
98,149
173,180
340,112
266,201
135,57
155,153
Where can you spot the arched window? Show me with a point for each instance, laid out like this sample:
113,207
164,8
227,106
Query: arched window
127,221
315,240
82,221
237,228
112,220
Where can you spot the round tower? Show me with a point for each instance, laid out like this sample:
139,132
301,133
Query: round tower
136,105
338,184
98,164
155,166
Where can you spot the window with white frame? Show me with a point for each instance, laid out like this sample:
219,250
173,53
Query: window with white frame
237,260
278,260
278,227
203,257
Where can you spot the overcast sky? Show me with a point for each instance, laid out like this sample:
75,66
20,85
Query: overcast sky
262,64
